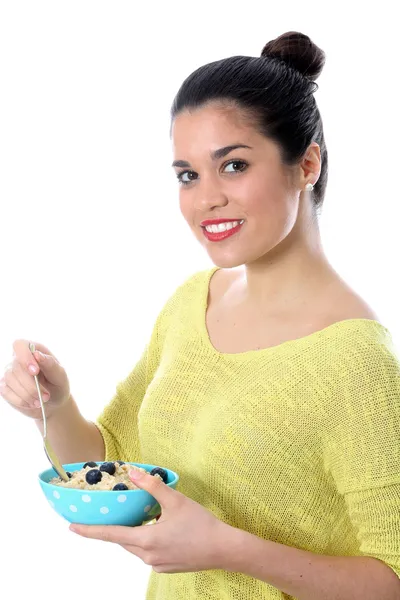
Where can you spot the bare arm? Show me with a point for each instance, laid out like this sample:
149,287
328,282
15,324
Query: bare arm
73,438
306,575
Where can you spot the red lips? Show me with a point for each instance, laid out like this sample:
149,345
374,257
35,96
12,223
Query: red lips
217,221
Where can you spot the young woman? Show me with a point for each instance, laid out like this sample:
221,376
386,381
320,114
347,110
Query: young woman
268,384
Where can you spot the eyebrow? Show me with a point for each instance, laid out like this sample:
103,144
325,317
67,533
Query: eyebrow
220,153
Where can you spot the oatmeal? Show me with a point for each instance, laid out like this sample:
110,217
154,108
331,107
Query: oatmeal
105,476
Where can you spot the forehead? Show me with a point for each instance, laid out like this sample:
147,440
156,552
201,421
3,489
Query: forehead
211,127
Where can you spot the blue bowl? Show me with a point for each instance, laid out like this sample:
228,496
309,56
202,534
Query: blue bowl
97,507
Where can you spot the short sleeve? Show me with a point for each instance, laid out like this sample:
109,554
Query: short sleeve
376,515
362,449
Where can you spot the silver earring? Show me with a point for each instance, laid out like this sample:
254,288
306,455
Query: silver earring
309,187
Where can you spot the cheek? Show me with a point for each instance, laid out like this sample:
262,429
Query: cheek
188,211
269,207
188,208
261,198
184,206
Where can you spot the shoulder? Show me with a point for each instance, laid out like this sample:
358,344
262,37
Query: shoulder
365,365
189,292
361,337
352,322
215,281
196,283
343,302
360,416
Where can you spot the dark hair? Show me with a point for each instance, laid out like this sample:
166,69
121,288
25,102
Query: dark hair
276,89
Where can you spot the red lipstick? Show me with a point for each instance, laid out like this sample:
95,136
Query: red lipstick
220,235
217,221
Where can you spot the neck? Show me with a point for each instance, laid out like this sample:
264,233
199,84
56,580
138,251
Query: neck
295,272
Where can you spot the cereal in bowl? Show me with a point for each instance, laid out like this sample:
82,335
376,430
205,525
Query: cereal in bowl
113,476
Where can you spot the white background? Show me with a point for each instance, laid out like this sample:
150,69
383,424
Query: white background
92,241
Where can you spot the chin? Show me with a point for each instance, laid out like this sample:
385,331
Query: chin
239,259
227,262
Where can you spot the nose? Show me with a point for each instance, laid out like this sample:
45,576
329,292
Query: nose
209,195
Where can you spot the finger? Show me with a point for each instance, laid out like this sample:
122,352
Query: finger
11,397
42,358
7,390
24,355
117,534
22,384
27,381
164,495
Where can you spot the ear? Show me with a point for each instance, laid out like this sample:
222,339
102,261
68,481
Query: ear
310,166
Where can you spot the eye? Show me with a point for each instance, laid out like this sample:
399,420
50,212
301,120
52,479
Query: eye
186,177
192,175
240,164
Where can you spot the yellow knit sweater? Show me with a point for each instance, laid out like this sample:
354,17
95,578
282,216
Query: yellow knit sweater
298,443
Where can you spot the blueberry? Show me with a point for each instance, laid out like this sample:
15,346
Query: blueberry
69,474
89,464
160,471
120,462
120,486
93,476
108,467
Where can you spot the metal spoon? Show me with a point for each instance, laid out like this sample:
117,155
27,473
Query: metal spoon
57,466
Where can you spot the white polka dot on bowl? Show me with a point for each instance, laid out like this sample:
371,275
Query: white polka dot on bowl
147,508
73,508
56,495
104,510
51,503
86,498
121,498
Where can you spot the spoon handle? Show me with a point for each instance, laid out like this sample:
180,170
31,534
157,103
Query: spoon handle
57,466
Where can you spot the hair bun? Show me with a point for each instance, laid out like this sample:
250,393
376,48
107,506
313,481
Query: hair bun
298,51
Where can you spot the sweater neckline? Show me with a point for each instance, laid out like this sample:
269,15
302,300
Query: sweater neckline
300,342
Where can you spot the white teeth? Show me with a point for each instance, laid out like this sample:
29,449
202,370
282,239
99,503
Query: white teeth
223,226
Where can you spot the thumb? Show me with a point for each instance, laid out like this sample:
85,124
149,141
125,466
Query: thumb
154,485
50,367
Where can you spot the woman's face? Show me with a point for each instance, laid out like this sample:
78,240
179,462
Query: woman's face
247,185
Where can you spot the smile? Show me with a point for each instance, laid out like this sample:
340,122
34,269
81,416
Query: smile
221,231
